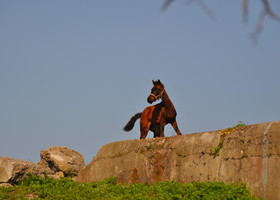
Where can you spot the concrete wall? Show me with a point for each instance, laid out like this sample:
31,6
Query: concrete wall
249,154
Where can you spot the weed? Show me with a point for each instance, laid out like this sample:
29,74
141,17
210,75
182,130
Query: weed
240,124
182,155
216,150
233,128
48,188
152,147
244,156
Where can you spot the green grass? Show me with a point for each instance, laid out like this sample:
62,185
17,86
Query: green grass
47,188
216,150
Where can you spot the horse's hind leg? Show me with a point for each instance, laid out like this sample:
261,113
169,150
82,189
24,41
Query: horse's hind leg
175,126
144,129
162,132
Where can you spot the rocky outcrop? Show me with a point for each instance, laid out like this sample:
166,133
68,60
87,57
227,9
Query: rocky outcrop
14,170
62,159
55,162
249,154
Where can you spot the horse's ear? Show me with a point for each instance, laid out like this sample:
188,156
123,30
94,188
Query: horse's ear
159,82
153,82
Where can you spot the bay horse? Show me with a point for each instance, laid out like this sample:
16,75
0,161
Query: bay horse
155,117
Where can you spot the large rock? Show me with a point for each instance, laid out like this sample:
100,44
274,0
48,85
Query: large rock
55,162
62,159
249,154
14,170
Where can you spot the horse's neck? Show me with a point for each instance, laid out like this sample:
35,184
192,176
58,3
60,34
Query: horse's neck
167,102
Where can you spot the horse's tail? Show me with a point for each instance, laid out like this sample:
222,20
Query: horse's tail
129,126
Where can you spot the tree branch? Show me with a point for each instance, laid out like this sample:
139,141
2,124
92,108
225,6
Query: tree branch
245,7
266,11
204,7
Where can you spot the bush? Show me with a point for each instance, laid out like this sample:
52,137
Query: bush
48,188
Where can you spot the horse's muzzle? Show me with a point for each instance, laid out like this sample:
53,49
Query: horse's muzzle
151,99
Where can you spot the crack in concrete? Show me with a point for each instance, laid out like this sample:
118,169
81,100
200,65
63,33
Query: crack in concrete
264,173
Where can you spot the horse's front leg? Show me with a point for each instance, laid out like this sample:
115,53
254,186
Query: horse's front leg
175,126
161,129
156,129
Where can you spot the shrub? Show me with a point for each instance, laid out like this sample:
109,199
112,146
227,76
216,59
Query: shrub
48,188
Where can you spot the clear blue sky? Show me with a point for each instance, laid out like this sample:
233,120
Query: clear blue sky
72,73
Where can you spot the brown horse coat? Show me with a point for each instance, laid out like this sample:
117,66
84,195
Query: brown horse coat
155,117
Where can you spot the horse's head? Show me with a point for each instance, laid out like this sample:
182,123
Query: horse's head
156,92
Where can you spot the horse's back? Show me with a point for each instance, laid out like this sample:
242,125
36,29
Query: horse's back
153,113
147,112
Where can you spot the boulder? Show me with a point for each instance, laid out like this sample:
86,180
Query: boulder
56,162
249,154
14,170
62,159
